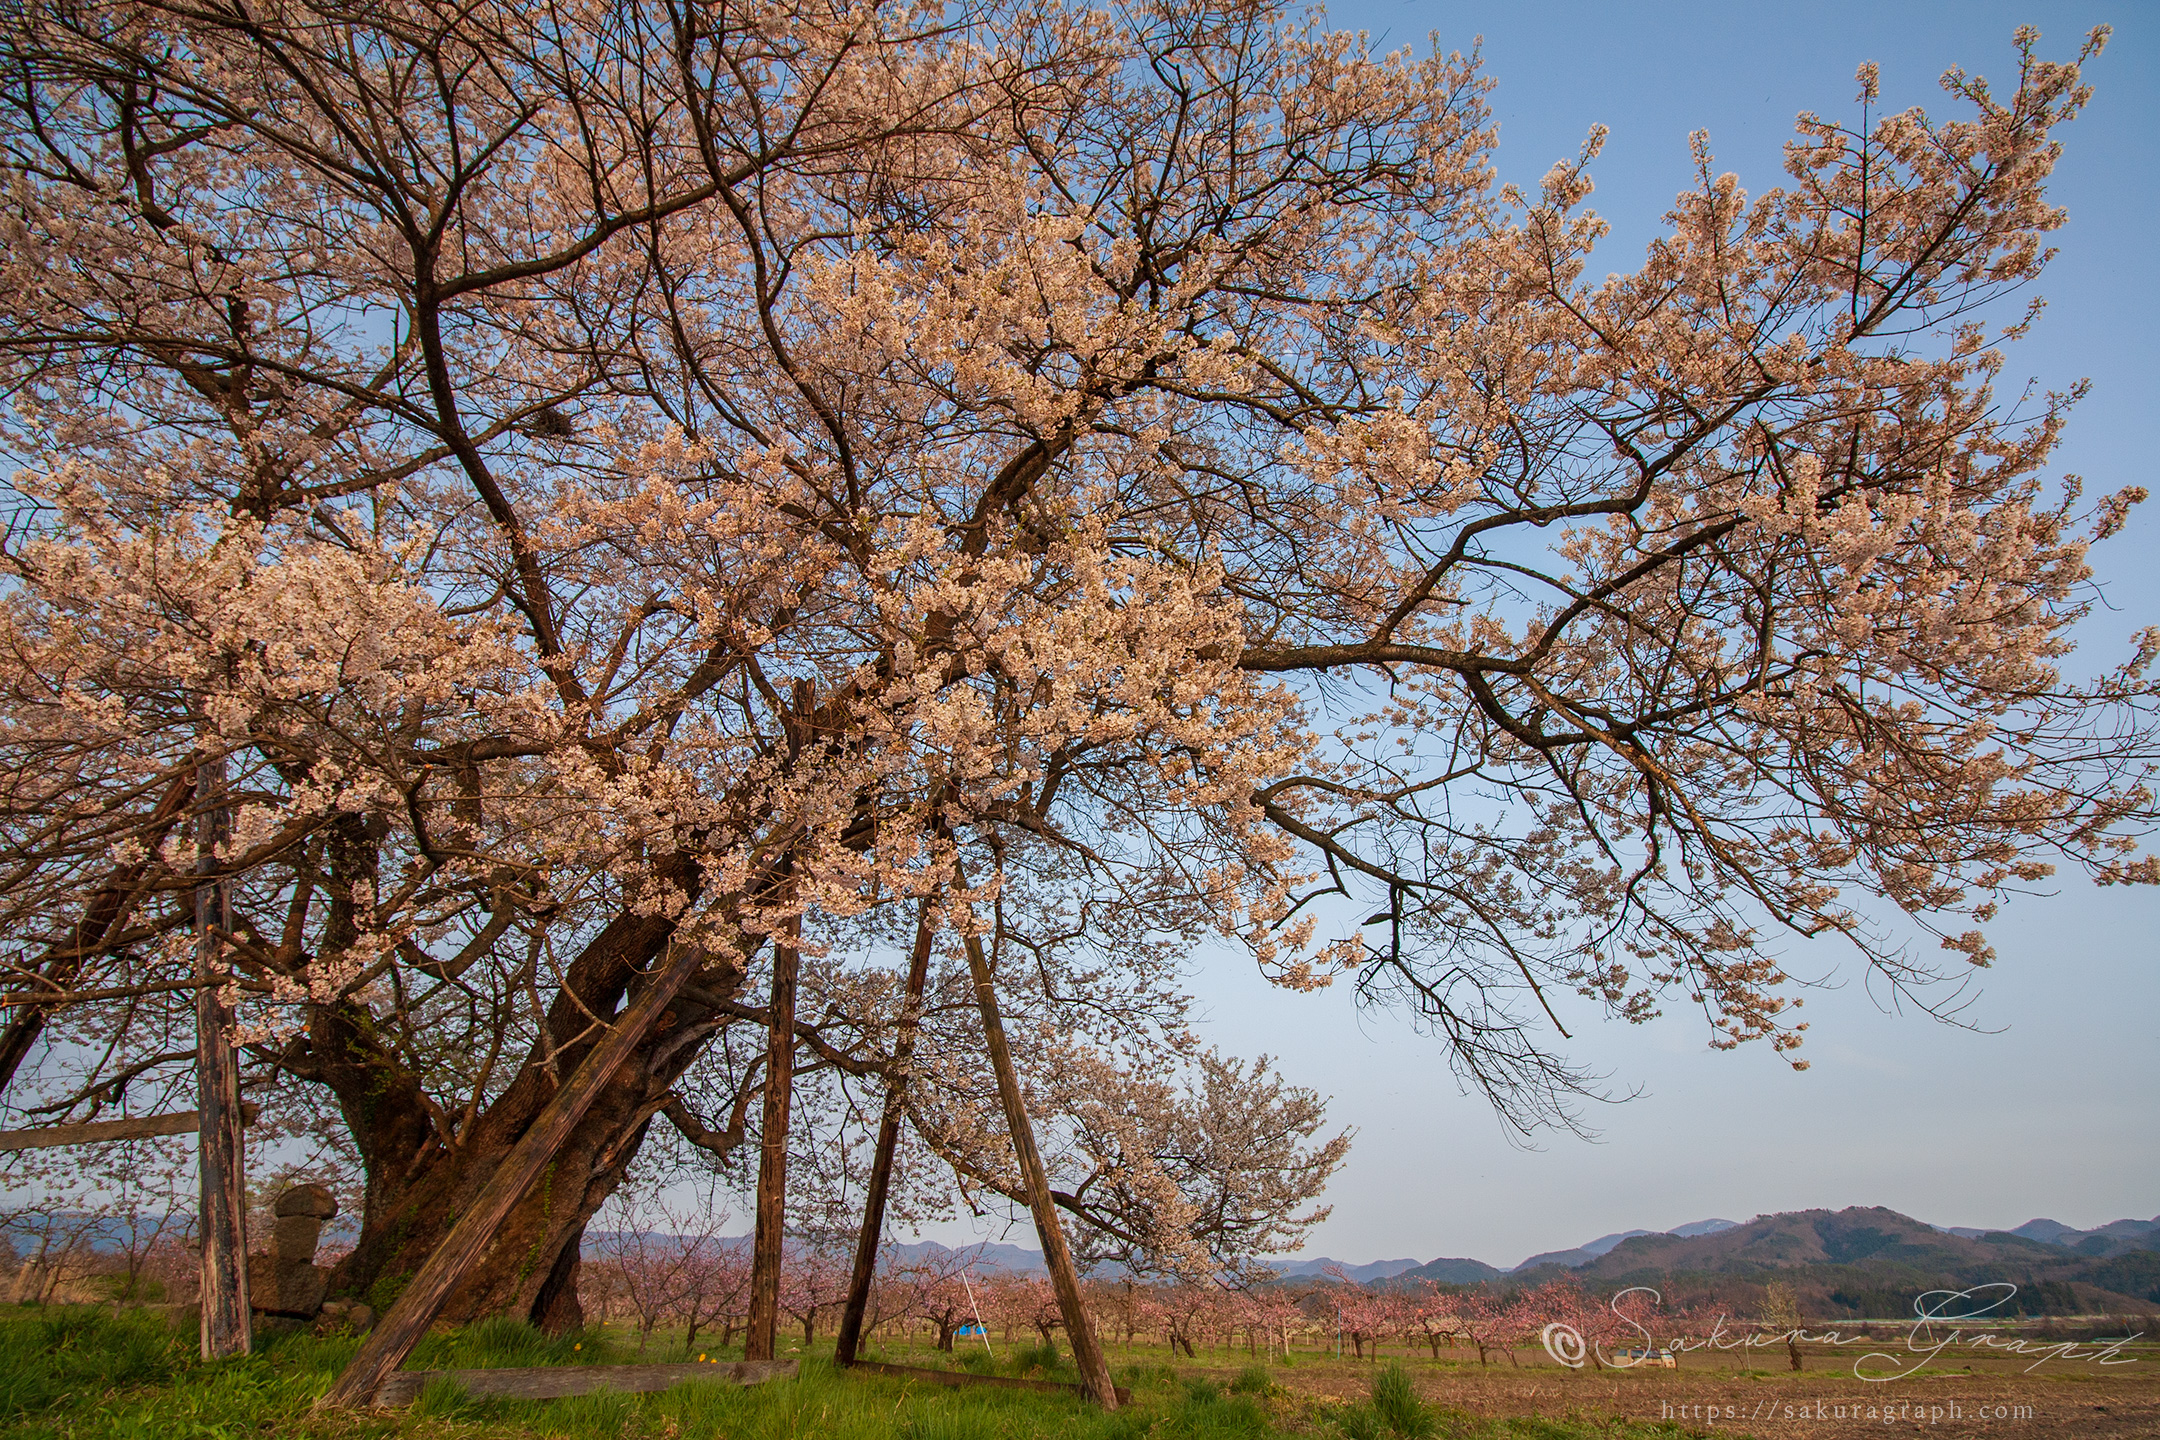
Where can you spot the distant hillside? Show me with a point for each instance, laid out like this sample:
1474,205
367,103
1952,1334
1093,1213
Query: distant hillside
1814,1237
988,1258
2117,1237
1861,1261
1867,1260
1450,1271
1454,1272
1581,1254
1703,1227
1363,1274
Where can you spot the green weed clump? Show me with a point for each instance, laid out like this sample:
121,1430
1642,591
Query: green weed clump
1395,1401
1209,1414
505,1343
1035,1358
1395,1410
442,1398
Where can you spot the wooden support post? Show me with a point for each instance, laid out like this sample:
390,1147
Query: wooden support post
1057,1255
221,1163
393,1338
767,1246
888,1141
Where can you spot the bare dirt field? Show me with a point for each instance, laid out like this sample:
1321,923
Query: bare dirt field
1994,1398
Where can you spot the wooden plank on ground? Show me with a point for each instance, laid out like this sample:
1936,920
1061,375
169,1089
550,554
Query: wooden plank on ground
963,1377
554,1382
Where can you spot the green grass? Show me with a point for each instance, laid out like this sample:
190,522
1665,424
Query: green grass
501,1344
88,1374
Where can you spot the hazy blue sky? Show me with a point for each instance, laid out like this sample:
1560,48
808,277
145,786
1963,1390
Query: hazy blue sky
2054,1112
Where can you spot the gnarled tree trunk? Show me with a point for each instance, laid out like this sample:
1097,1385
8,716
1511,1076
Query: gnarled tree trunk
417,1185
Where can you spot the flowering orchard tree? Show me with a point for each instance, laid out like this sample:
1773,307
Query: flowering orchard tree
1433,1316
932,1287
668,1260
806,489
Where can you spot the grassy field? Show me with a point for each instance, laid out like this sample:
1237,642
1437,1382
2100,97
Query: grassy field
88,1374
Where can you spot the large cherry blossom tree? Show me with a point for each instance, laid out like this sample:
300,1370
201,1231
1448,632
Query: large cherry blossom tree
812,486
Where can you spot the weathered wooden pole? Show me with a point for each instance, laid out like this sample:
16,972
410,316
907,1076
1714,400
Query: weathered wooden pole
1057,1255
393,1338
767,1246
220,1162
888,1141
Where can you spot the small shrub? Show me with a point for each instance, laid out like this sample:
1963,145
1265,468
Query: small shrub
1252,1380
978,1362
1202,1392
140,1290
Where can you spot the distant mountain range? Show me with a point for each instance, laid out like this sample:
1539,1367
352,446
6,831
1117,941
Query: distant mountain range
1363,1274
2117,1237
1868,1236
1584,1254
1768,1240
1864,1261
989,1258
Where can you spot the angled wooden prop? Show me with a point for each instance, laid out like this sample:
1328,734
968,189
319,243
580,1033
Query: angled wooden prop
400,1329
1057,1255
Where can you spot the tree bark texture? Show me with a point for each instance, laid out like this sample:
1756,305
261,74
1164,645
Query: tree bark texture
227,1327
419,1180
767,1247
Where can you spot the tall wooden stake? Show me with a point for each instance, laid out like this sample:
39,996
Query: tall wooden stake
1057,1256
766,1247
387,1345
219,1160
888,1141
